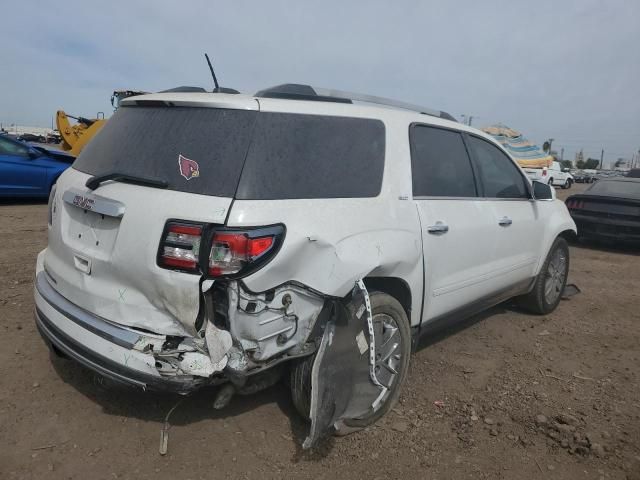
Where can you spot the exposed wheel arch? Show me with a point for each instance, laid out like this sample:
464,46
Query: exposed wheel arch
394,286
569,235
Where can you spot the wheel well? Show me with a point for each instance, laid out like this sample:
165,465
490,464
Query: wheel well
396,287
568,235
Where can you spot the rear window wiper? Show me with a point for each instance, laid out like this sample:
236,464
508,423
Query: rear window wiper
95,181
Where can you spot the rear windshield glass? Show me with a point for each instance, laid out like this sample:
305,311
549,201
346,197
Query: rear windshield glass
150,141
257,156
616,188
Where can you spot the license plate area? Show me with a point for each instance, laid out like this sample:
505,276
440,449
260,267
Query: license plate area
90,233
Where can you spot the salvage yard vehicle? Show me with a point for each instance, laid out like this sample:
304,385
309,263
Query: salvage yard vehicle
27,170
223,239
609,210
554,175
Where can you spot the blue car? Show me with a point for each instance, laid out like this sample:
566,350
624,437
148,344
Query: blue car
27,170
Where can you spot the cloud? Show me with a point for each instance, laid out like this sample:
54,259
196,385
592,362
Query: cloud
568,70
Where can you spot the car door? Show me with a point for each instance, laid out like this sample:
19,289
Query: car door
19,173
517,226
457,225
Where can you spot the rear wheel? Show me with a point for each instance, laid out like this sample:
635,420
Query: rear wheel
393,349
550,282
551,182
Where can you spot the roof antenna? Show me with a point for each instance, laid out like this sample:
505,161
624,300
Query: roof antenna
213,74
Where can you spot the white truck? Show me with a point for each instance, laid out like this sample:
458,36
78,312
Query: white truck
553,175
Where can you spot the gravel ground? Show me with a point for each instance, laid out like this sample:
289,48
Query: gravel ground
511,395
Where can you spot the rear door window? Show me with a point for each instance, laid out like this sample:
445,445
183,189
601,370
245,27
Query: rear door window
498,174
440,164
313,156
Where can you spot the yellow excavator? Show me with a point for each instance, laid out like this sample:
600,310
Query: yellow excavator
76,136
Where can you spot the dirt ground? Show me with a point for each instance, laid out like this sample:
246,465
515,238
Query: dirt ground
510,396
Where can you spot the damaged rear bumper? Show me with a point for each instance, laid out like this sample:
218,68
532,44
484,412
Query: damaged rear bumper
106,348
112,370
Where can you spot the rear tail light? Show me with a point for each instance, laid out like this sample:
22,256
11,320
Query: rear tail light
51,209
231,252
544,172
575,204
218,251
180,246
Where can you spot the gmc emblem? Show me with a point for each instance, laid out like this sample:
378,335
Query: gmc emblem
83,202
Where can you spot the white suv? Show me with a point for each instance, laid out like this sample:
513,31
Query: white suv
213,238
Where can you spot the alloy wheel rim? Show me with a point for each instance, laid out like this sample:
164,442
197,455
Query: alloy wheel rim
388,344
555,276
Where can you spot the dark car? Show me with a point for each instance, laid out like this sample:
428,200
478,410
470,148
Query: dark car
29,171
30,137
634,173
608,209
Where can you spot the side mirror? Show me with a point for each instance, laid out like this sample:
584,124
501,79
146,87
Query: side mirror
542,191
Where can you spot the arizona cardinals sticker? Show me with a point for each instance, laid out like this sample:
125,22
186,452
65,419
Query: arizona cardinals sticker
188,168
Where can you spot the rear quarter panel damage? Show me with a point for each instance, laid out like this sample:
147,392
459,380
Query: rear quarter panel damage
322,251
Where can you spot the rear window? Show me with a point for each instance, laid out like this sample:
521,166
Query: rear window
616,188
148,141
254,156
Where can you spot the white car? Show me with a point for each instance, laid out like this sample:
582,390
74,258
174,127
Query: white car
212,238
554,175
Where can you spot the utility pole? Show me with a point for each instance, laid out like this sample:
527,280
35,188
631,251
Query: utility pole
562,154
601,158
466,119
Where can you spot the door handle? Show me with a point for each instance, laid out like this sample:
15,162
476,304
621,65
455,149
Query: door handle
438,229
505,222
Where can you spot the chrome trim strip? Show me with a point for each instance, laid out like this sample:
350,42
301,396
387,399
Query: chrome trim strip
104,206
99,326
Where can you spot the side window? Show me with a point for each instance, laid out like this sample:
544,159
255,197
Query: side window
439,163
8,147
500,178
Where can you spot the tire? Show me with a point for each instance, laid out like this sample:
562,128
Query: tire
545,297
567,184
300,384
551,182
300,380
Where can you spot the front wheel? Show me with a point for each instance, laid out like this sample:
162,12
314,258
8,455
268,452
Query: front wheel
550,282
550,182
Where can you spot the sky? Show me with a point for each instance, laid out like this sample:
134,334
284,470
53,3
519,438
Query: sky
568,70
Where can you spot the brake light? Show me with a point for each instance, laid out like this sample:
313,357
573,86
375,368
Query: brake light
180,247
575,204
544,172
231,252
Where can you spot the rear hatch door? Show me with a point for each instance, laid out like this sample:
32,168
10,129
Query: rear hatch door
103,242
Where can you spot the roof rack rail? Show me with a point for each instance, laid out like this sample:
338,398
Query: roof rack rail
295,91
